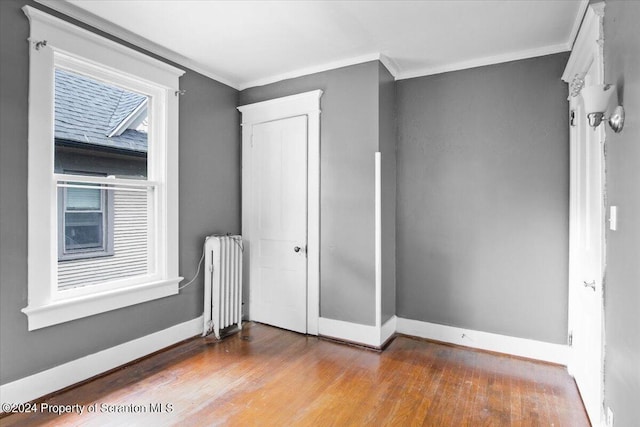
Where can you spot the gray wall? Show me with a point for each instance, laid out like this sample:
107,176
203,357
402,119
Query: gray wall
209,202
349,139
387,148
483,190
622,286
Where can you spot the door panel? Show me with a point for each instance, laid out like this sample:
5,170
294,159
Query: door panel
279,198
585,287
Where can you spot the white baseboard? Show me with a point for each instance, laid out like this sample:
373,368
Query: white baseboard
354,332
368,335
539,350
54,379
388,329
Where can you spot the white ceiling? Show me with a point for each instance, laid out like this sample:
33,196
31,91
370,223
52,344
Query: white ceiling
250,43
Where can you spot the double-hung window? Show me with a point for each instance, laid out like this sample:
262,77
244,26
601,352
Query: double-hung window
103,174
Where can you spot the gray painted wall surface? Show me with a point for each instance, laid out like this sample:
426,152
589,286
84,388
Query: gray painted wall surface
209,202
387,146
622,286
483,190
349,139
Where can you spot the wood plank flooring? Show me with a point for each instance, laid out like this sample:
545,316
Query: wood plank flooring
265,376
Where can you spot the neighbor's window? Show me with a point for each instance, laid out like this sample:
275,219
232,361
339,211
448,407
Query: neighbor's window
85,226
102,174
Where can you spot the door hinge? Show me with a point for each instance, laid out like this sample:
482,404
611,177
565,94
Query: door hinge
570,338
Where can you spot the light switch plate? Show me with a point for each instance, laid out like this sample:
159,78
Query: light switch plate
613,218
609,417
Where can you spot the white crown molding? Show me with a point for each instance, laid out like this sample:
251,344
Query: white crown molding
488,60
312,70
390,64
70,373
95,21
522,347
110,28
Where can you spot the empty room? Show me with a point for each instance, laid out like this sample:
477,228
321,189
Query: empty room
448,233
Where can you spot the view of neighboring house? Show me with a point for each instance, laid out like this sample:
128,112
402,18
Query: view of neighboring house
100,130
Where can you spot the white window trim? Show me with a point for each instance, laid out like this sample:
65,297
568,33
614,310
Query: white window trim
52,42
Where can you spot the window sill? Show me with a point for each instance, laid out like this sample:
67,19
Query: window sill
56,312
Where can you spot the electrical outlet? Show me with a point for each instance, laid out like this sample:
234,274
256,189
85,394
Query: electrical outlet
609,417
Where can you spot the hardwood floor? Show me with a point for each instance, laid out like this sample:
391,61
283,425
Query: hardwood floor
265,376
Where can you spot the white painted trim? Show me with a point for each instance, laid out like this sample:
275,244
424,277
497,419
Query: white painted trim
127,121
333,65
578,21
70,373
281,108
532,349
70,39
396,72
66,310
487,60
587,52
586,47
307,103
108,27
388,329
368,335
390,64
378,237
101,24
313,220
74,48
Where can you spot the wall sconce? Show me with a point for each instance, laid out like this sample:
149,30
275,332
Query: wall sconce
597,99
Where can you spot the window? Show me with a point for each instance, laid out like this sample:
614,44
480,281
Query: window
103,149
85,222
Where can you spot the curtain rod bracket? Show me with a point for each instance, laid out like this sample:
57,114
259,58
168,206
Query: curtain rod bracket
39,45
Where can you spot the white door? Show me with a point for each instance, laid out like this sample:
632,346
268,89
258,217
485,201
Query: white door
587,228
278,260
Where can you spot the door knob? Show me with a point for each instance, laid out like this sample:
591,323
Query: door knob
297,249
591,284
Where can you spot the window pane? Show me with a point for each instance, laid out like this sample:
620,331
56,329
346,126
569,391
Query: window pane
83,230
128,235
84,199
100,128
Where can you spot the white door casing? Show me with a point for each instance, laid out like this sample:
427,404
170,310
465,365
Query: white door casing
586,229
275,124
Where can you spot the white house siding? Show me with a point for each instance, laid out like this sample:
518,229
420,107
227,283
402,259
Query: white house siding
129,246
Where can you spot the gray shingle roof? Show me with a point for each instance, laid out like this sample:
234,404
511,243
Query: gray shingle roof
87,111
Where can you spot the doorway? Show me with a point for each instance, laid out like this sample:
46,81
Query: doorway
586,228
281,210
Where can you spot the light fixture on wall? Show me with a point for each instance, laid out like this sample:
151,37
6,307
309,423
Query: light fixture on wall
597,101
